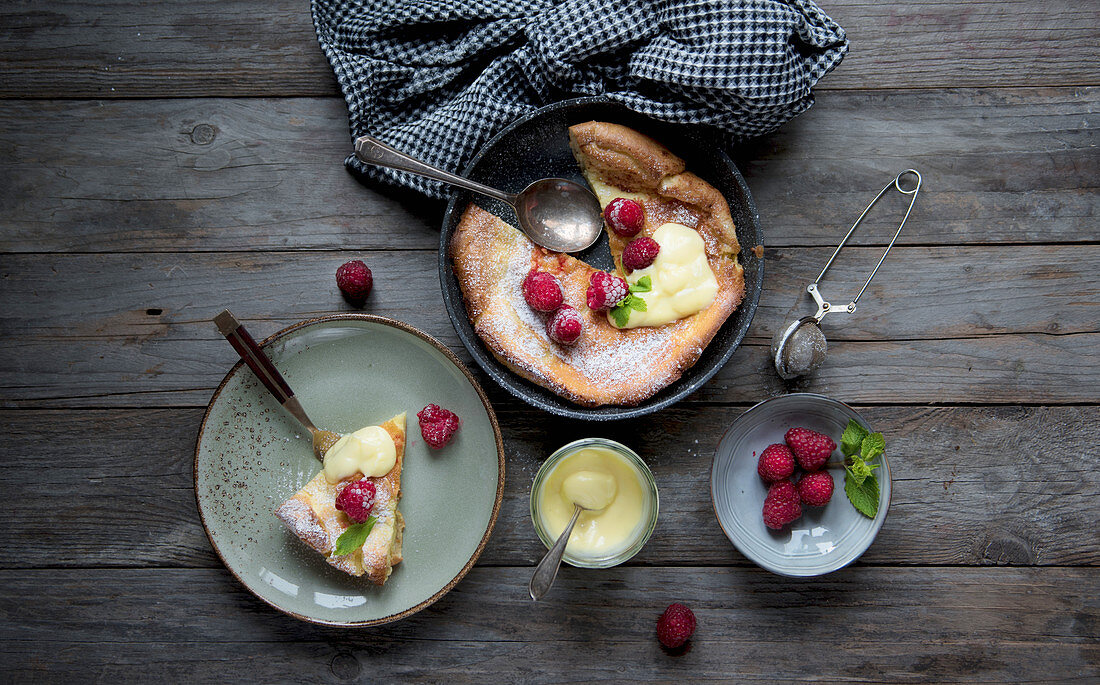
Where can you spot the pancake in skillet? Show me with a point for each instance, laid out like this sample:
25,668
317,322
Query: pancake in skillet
607,365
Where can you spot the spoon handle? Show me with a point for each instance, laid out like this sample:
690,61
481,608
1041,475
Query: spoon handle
547,570
253,356
373,151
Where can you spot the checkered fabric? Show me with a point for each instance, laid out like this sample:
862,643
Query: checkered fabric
437,78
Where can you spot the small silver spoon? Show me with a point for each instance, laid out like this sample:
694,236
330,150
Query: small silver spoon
556,213
547,570
799,346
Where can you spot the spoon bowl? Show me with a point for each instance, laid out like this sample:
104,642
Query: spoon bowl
556,213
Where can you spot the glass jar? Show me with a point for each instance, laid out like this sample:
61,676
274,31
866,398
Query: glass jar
650,503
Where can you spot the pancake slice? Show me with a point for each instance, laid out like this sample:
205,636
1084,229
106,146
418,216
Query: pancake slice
311,514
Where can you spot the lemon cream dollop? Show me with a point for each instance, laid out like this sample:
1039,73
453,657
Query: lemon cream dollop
681,280
369,451
593,490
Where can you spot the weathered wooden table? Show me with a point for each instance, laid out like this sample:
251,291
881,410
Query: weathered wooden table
161,160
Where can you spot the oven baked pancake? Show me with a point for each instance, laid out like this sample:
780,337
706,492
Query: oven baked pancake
608,365
311,514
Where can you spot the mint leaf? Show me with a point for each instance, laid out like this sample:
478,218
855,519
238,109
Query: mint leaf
863,496
872,446
852,438
859,469
354,537
621,314
644,285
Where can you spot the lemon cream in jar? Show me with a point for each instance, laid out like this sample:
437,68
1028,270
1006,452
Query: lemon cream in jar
617,492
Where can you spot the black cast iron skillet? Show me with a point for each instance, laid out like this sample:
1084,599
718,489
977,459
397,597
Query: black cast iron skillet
537,146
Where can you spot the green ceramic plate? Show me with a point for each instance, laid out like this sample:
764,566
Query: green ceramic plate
348,371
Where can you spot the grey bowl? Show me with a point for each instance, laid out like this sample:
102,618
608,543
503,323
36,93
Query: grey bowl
537,146
825,538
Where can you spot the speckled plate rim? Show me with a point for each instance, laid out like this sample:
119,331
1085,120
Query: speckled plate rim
402,326
748,552
543,398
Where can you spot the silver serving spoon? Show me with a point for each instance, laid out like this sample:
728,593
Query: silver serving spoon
799,346
556,213
547,570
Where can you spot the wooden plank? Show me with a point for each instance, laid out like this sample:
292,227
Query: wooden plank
195,48
860,624
1011,167
972,486
976,324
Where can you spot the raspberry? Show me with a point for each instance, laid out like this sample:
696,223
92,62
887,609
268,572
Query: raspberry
816,489
356,500
542,291
640,253
355,281
776,463
782,505
811,449
605,291
437,425
624,216
565,326
675,626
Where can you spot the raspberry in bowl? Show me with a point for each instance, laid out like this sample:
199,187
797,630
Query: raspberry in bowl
778,486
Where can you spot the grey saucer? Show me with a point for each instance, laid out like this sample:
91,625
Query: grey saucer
537,146
825,538
349,371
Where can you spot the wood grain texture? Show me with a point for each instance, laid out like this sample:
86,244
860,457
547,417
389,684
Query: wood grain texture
977,324
972,486
195,48
248,175
860,624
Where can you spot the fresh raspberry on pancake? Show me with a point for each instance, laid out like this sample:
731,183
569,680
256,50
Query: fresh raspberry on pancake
640,253
357,500
565,326
605,291
624,216
542,290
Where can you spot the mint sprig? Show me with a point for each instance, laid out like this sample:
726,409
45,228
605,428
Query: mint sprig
354,537
860,446
621,312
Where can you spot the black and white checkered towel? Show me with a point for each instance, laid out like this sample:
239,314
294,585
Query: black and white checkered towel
437,78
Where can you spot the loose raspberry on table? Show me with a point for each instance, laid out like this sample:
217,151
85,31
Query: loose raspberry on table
543,291
565,326
355,281
624,216
816,489
437,425
782,505
675,626
811,449
776,463
605,291
357,500
640,253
